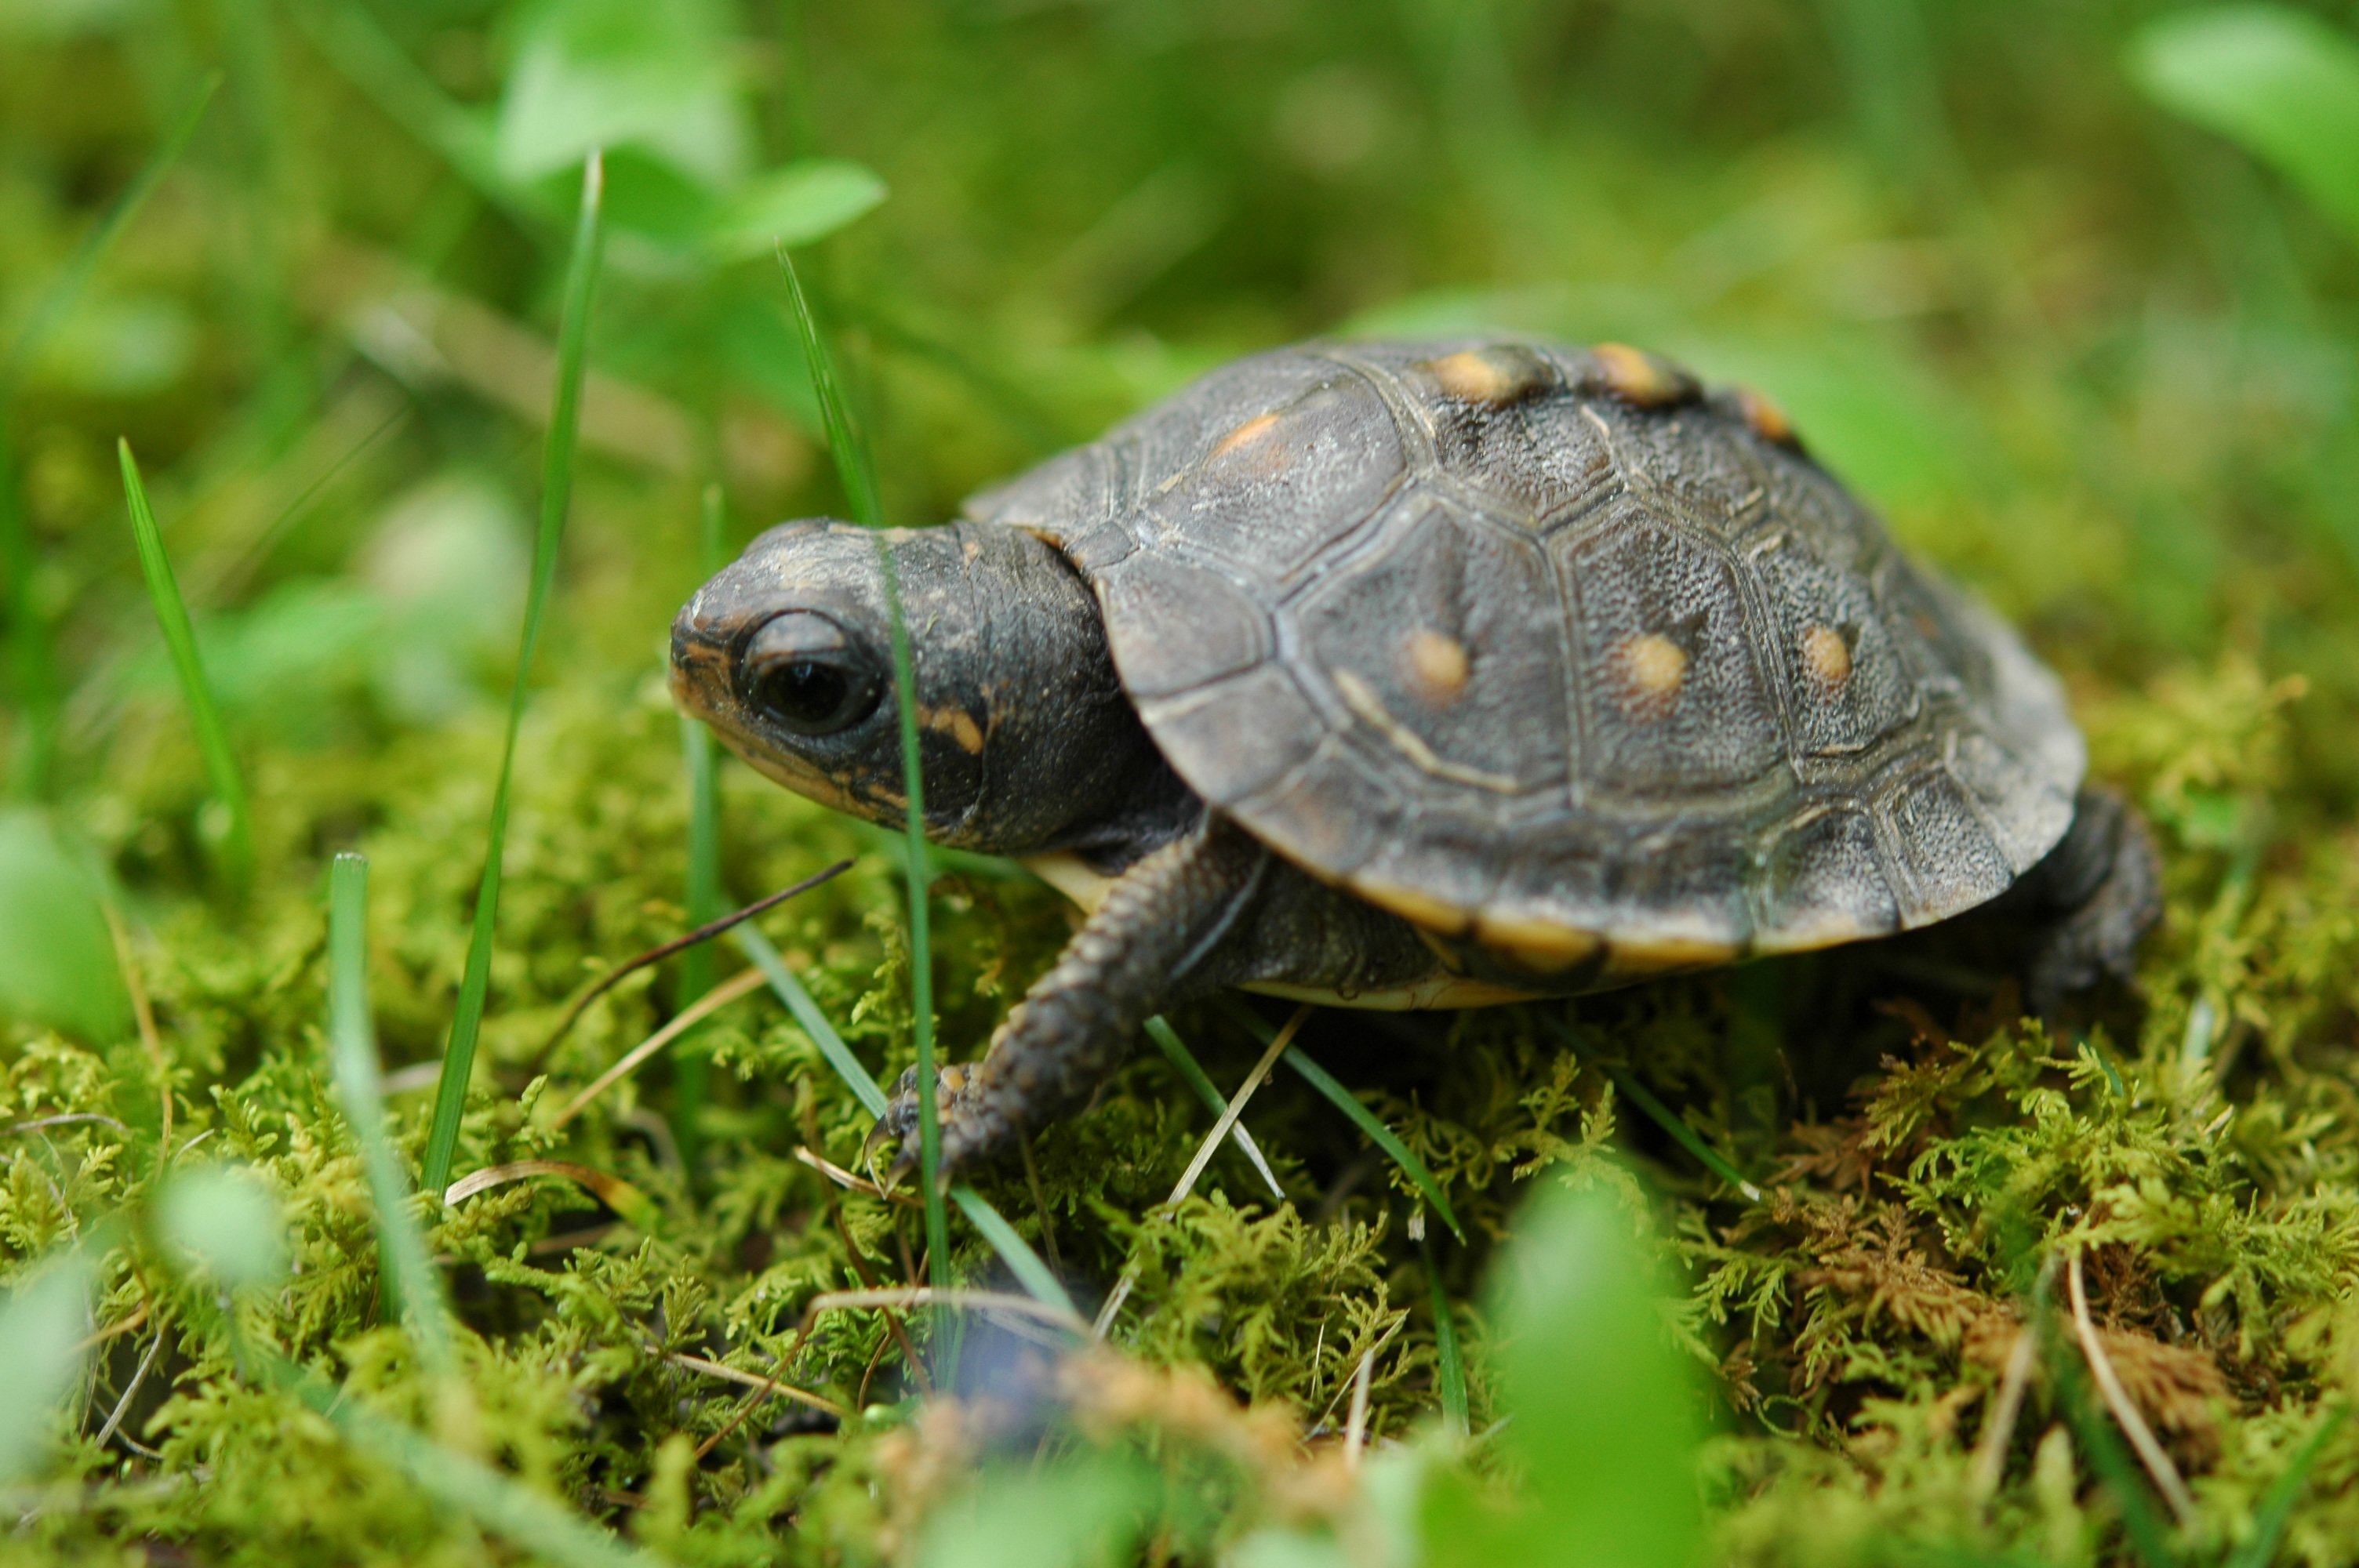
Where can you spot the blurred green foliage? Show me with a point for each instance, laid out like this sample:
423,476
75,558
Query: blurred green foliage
2070,293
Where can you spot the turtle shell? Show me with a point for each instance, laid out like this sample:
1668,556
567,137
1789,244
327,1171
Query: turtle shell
1548,650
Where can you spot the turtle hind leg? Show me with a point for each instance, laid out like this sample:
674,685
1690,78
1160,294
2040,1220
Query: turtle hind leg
2093,898
1142,948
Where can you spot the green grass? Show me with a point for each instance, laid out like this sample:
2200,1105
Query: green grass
411,1280
189,665
555,499
2068,294
857,471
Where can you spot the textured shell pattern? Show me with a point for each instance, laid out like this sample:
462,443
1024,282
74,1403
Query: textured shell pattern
1547,648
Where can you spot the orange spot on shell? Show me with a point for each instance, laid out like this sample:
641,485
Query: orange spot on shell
1246,434
1828,655
1767,419
1636,376
1437,666
1651,669
1473,376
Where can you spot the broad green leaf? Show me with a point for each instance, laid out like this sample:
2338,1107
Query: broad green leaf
2280,84
225,1220
1603,1429
59,968
40,1326
1085,1513
616,73
805,200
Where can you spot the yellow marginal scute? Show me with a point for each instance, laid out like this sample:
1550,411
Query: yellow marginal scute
1072,876
1412,904
1662,955
1542,946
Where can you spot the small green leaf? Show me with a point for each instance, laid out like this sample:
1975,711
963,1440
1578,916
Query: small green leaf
616,73
1604,1429
60,969
805,200
2280,84
223,1220
40,1326
1079,1514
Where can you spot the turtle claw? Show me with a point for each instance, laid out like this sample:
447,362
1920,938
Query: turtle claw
958,1096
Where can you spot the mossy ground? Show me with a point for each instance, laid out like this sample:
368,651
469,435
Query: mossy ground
2099,366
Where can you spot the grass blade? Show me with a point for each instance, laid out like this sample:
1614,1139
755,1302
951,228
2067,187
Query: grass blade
844,445
32,662
1382,1137
765,958
2277,1508
556,497
1014,1250
1167,1040
1662,1115
859,479
535,1525
180,638
1445,1345
352,1047
691,1074
58,299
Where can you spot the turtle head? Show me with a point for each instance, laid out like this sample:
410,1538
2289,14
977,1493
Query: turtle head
788,654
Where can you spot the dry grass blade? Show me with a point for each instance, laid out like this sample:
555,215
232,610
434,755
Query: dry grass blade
767,1386
852,1181
1998,1429
1213,1140
1332,1090
1355,1425
625,1199
143,1010
112,1331
657,955
905,1296
1204,1151
704,1006
2150,1452
555,499
1183,1061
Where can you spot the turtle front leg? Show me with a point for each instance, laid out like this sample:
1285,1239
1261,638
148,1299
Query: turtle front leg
1161,919
2098,892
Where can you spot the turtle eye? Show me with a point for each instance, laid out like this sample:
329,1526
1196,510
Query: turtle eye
804,673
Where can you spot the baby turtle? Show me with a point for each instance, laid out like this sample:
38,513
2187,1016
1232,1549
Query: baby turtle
1408,674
